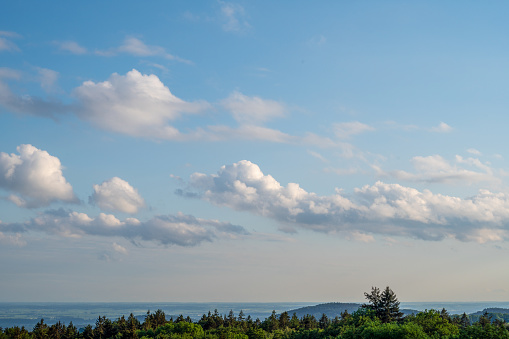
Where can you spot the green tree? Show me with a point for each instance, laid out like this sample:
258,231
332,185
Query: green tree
385,304
88,332
284,320
324,321
40,330
433,323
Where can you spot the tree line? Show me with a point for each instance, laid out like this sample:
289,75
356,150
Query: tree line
378,318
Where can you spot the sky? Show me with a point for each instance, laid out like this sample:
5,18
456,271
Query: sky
253,150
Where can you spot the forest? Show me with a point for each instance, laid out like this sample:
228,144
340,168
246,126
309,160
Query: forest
379,317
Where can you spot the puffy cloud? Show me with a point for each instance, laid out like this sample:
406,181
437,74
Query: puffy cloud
252,109
180,229
388,209
345,130
117,195
6,44
436,169
133,104
36,176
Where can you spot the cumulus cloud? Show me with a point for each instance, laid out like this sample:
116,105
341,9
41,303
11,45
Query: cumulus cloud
35,176
180,229
117,195
345,130
71,47
5,41
134,104
436,169
252,109
386,209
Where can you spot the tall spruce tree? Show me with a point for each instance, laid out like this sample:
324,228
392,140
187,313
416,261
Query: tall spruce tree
384,304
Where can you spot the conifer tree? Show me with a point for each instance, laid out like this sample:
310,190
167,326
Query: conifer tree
385,304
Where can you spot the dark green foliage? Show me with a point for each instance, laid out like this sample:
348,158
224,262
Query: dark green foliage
433,322
379,319
385,304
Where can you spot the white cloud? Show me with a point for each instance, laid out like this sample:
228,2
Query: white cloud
252,109
435,169
119,249
140,105
9,73
246,132
345,130
136,47
134,104
36,176
117,195
442,128
317,40
474,151
27,104
14,240
233,17
318,156
6,44
387,209
180,229
48,79
71,46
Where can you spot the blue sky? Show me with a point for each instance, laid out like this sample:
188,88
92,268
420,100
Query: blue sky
253,151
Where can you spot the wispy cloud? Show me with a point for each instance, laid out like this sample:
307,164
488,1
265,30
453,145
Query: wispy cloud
48,79
27,104
233,17
345,130
474,151
5,41
254,109
436,169
136,47
317,40
442,128
71,47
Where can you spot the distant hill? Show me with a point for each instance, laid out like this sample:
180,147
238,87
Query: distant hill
330,309
492,310
333,309
495,313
